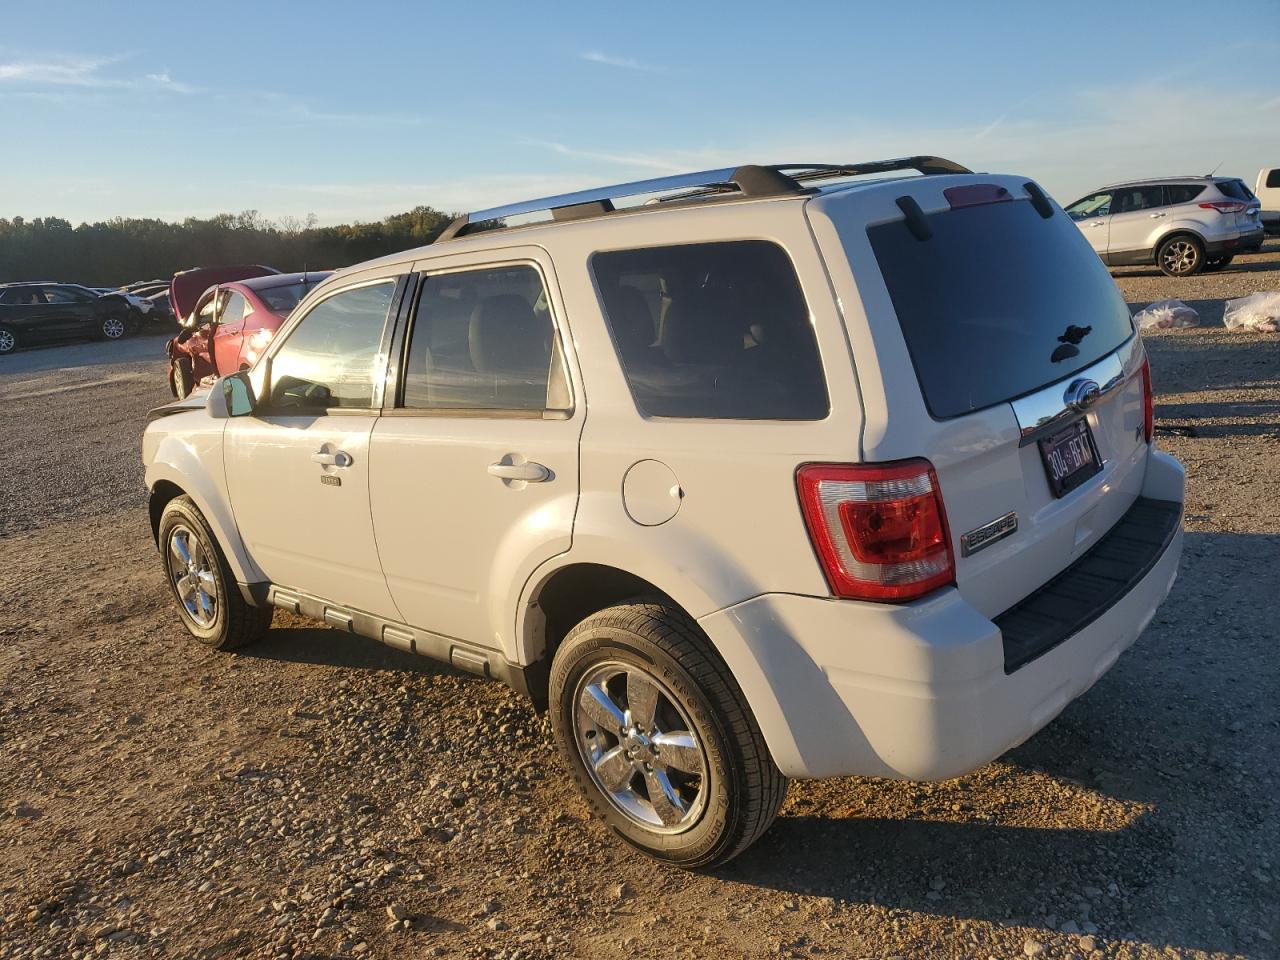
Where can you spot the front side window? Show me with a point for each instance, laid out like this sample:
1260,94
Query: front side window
713,330
484,340
330,359
232,308
1095,205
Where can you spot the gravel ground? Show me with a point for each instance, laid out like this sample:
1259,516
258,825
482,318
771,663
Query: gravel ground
320,796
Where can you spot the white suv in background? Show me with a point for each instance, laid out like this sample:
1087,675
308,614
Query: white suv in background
744,475
1268,191
1181,224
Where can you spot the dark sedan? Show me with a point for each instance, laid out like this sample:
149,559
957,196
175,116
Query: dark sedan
32,313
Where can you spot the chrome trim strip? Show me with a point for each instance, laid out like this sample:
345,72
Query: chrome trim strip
1049,408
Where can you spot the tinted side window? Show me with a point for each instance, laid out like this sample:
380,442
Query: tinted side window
1133,199
331,358
717,330
484,340
1273,178
1183,192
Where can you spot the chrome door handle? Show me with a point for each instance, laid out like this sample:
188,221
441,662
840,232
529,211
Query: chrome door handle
1098,223
339,459
1156,216
530,472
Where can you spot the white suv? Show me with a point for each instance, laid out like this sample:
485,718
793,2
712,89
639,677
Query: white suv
778,474
1181,224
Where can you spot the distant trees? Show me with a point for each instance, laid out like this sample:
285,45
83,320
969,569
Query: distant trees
118,251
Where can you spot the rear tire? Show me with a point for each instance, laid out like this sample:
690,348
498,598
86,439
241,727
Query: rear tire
8,339
209,601
1180,256
1212,266
640,699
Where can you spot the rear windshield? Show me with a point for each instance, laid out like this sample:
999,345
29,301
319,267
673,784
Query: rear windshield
285,298
998,303
715,330
1235,189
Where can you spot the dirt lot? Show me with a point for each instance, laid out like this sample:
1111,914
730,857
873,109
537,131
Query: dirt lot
321,796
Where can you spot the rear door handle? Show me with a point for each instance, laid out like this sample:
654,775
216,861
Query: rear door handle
1098,223
339,459
1156,216
530,472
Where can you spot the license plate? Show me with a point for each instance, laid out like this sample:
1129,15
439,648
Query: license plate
1070,457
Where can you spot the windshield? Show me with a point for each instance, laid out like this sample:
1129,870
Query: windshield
284,298
998,302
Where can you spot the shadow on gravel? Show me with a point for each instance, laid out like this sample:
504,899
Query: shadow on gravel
325,645
1173,728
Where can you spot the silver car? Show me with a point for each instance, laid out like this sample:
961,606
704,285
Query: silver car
1181,224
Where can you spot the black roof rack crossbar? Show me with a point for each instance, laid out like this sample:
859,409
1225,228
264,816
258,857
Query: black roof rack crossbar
747,181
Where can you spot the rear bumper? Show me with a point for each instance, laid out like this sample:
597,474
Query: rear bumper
1244,243
919,691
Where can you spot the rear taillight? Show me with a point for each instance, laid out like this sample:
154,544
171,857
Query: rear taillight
1224,206
1148,401
880,530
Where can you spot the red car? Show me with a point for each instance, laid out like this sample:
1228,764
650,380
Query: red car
229,315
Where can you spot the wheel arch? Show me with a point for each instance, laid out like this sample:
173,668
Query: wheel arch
176,471
562,598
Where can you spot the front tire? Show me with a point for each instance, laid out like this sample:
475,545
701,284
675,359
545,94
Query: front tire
113,327
659,738
8,339
181,380
209,601
1180,256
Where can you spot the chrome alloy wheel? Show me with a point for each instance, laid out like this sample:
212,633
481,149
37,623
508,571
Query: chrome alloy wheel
636,740
191,570
7,341
1180,257
113,328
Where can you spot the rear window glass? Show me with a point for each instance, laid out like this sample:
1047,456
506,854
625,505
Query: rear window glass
714,330
994,304
1234,189
1183,192
1273,178
284,298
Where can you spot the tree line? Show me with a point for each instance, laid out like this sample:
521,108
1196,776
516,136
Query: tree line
119,251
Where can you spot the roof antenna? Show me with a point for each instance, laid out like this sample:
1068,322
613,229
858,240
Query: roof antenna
1215,169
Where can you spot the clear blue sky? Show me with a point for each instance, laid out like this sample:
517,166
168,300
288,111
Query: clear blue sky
357,110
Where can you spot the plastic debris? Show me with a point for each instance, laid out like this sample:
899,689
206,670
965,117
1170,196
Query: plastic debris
1164,314
1258,311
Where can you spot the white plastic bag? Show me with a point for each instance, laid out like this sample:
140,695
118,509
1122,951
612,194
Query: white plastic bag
1166,313
1258,311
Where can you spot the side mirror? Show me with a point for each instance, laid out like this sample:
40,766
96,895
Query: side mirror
232,396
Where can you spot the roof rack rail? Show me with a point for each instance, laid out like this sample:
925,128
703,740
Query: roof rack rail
746,181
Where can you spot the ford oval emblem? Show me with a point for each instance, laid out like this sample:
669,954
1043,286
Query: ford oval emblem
1082,394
